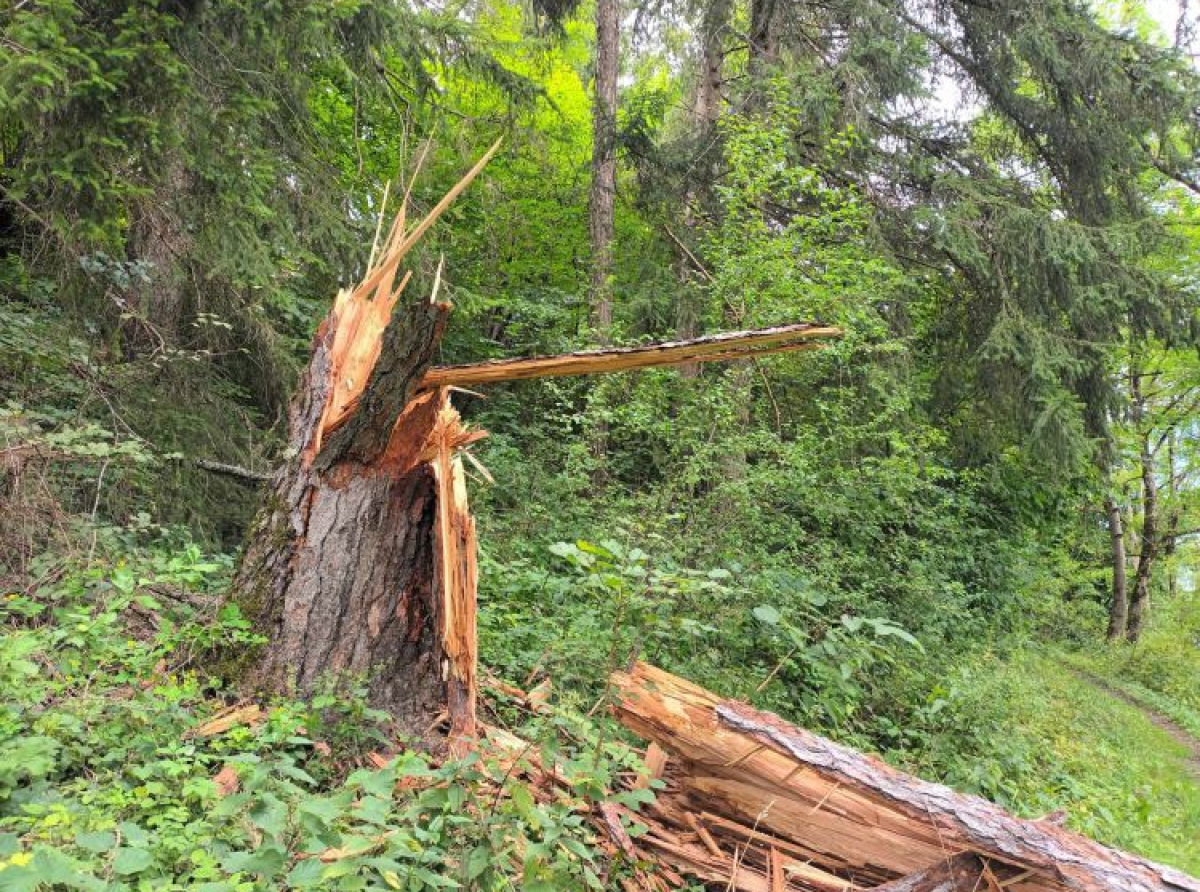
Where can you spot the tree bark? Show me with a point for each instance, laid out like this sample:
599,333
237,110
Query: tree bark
602,195
342,568
1170,544
761,41
761,37
602,198
706,112
1118,608
1139,607
361,565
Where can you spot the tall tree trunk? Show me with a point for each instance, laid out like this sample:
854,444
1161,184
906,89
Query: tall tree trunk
761,38
1118,609
1139,607
1172,532
160,238
762,50
706,111
361,564
602,195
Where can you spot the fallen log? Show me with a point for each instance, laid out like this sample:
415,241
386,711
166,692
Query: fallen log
850,816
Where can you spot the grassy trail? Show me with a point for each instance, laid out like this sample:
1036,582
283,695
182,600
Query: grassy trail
1125,774
1136,772
1185,740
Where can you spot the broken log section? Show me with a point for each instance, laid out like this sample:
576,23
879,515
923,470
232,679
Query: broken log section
770,796
711,348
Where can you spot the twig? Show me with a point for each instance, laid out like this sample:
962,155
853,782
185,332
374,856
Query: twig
235,471
692,257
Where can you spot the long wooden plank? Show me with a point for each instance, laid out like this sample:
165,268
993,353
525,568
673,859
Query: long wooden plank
729,345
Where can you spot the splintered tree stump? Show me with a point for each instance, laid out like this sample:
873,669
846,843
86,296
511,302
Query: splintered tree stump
362,562
364,566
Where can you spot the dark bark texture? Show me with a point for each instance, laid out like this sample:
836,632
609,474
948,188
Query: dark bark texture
602,197
1139,606
1118,608
339,571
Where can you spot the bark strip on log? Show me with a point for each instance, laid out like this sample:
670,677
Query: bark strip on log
730,345
847,813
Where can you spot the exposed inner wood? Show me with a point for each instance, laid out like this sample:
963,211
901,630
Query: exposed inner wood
957,873
730,345
456,576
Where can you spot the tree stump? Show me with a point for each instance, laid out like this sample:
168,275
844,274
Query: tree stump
362,562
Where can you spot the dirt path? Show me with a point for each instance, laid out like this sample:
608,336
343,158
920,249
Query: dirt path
1160,721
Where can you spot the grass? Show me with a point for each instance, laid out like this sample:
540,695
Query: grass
1122,779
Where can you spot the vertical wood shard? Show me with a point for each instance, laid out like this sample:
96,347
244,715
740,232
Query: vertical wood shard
456,580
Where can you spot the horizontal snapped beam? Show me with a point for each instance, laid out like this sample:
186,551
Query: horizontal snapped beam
712,348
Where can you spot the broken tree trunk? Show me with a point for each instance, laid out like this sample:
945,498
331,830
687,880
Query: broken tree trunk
748,796
362,562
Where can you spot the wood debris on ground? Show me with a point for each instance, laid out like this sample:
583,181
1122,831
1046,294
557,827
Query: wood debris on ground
230,717
753,803
746,802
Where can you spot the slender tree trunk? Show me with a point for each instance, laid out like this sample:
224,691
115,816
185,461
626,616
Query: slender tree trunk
1118,610
1139,607
761,37
602,195
160,239
706,111
1172,533
762,44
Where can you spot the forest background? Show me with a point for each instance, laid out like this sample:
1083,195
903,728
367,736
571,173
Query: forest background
961,536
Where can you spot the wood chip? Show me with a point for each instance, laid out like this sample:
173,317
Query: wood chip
226,780
226,719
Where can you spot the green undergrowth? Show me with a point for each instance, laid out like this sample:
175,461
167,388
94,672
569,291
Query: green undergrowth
105,783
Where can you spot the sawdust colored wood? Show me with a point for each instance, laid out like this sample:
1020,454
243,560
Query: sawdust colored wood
711,348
